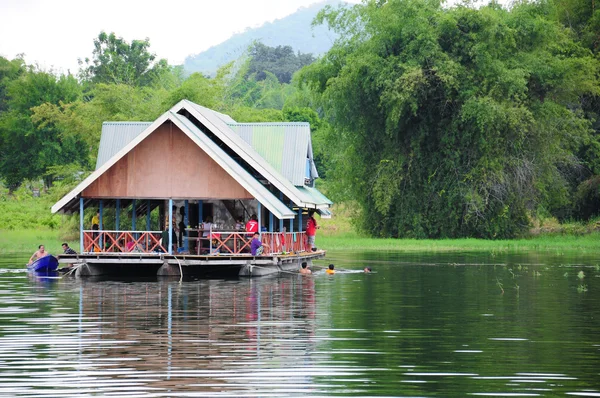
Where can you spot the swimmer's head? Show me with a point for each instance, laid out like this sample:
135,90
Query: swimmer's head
331,266
304,265
367,269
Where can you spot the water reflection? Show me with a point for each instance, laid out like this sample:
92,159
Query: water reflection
418,326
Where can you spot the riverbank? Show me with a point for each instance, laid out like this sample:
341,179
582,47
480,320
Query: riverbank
27,241
549,244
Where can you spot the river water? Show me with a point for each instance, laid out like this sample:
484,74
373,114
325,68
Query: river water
418,326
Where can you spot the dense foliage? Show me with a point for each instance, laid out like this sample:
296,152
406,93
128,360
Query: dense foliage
455,122
429,121
280,61
50,125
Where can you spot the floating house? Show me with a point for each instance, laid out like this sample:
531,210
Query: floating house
190,180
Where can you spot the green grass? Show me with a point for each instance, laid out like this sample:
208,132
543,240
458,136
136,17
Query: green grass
583,244
27,241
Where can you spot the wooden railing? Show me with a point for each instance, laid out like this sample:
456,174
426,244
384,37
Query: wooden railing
229,242
221,242
122,242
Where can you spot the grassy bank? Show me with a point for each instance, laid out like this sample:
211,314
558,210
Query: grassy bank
26,241
584,244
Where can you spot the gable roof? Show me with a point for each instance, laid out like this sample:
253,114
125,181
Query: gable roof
223,131
217,154
122,137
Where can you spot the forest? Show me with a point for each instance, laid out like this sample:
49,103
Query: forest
428,121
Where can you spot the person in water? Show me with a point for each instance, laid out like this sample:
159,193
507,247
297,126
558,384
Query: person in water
330,270
67,249
41,252
367,270
304,270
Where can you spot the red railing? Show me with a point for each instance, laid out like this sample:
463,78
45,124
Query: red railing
122,242
222,242
227,242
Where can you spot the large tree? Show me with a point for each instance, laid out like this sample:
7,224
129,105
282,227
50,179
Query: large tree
27,148
116,61
452,122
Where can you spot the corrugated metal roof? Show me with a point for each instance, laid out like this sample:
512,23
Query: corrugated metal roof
115,136
315,195
279,151
224,132
284,145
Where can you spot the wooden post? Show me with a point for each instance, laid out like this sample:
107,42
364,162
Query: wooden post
292,220
101,209
148,215
170,226
186,222
259,211
100,227
118,215
80,225
300,220
281,220
200,216
270,222
133,215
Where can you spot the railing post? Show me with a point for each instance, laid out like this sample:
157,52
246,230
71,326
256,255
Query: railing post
300,220
81,225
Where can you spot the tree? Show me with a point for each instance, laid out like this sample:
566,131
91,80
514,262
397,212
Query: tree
281,61
27,148
117,61
452,122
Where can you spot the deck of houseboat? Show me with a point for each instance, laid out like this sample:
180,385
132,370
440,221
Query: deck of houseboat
162,264
140,253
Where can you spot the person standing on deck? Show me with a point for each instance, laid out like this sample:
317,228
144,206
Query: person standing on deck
96,221
252,224
41,252
311,231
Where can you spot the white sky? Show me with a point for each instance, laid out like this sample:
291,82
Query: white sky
55,33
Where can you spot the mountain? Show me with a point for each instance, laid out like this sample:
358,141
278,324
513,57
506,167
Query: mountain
294,30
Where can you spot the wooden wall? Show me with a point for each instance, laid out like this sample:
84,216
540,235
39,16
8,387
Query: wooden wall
166,164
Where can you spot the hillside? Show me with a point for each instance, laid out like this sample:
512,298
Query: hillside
294,30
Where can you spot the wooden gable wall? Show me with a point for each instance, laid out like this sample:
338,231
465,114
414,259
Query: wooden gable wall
166,164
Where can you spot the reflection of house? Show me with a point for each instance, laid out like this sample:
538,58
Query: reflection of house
203,165
188,338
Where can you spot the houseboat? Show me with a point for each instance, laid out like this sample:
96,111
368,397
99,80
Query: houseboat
172,197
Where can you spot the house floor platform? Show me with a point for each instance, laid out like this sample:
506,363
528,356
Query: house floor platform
220,265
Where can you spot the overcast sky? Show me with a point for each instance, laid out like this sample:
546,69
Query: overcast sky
55,33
